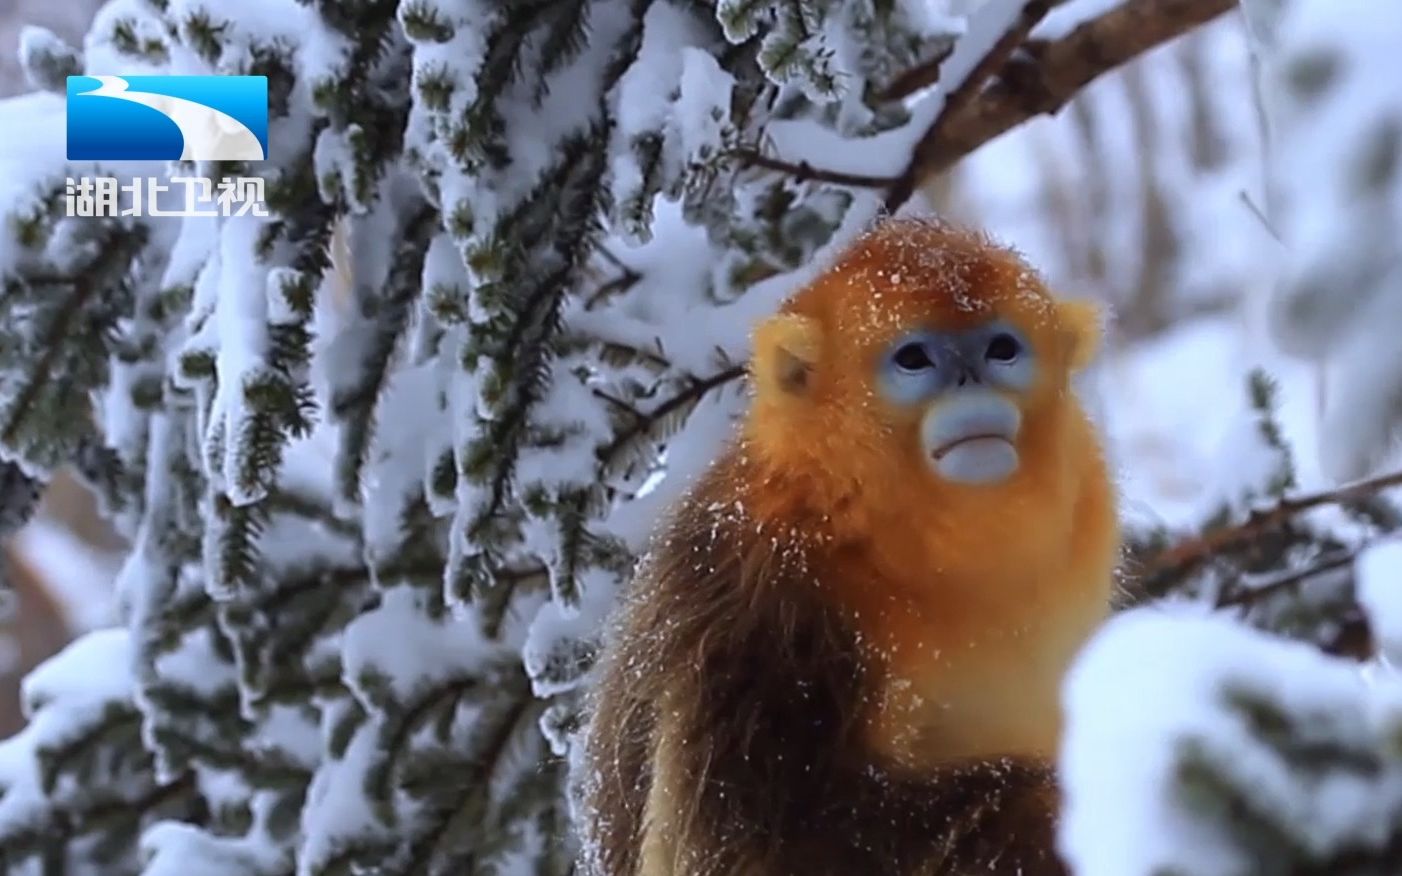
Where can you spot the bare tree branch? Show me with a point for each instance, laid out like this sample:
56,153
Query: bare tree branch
690,395
1244,597
924,75
1187,555
917,78
1007,86
1042,83
802,171
961,97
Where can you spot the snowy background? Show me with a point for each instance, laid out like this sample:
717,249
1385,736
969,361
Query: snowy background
1151,192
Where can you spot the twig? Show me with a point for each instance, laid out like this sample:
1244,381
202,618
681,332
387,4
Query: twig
472,792
1193,552
618,285
917,78
627,278
960,97
52,345
1260,215
802,171
620,404
657,360
1246,596
67,822
687,396
614,260
1056,70
309,507
926,74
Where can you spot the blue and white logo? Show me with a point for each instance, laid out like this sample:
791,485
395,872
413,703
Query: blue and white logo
191,118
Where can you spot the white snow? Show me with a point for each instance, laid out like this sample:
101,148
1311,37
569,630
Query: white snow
334,160
196,667
95,668
168,848
673,91
1379,585
337,809
398,643
647,89
460,56
37,47
703,103
1156,689
64,698
242,322
29,165
558,631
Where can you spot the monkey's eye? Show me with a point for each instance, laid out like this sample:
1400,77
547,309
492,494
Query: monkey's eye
1003,348
912,357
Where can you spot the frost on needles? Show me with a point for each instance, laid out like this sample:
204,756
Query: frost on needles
384,456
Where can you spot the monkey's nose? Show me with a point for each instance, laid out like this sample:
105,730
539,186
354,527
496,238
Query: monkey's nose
967,376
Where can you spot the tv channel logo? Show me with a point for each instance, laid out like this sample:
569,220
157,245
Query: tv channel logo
164,118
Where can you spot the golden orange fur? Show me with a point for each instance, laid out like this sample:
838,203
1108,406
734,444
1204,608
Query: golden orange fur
978,625
825,609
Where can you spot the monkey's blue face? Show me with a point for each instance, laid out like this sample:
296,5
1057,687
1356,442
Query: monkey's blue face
963,381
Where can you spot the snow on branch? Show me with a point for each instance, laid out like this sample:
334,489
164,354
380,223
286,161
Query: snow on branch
1186,556
1017,78
1195,745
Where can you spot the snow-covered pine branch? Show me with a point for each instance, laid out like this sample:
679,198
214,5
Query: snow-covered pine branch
1229,752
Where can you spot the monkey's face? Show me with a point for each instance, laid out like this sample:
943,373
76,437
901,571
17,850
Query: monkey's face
964,387
921,341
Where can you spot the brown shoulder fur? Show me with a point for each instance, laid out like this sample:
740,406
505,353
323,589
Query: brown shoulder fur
759,736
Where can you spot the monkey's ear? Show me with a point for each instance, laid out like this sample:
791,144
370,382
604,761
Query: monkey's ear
786,352
1081,321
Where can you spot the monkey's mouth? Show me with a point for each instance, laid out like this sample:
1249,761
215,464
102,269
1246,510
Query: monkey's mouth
978,459
971,437
987,439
